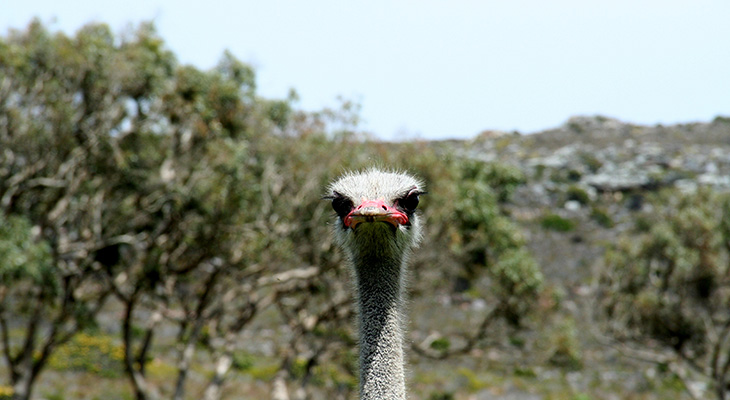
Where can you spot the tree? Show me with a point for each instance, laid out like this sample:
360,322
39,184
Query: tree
666,285
193,204
480,249
162,187
131,179
56,115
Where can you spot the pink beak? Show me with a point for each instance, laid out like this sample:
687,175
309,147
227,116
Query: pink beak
372,211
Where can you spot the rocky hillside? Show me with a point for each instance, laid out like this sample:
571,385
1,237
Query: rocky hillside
596,172
594,175
608,155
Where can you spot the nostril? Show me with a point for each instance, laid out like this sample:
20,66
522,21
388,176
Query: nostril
384,208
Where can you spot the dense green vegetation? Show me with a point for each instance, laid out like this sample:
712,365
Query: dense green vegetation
187,201
162,229
668,283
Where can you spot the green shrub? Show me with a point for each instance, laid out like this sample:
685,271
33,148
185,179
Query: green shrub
565,175
576,193
591,162
574,175
557,223
576,127
441,344
242,361
525,372
539,172
721,119
441,396
565,349
601,217
666,283
643,224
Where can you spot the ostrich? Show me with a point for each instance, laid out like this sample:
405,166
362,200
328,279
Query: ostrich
377,227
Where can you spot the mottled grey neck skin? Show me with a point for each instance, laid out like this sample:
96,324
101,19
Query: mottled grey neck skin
379,272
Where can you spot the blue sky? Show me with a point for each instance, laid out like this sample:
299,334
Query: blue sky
438,69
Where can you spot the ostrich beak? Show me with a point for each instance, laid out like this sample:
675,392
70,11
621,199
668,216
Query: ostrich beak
374,211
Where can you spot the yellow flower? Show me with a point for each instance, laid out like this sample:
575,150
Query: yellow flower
6,392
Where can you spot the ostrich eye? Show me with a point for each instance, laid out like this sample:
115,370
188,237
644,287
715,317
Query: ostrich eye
341,204
410,201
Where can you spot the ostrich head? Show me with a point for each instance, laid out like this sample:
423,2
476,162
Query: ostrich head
376,212
377,226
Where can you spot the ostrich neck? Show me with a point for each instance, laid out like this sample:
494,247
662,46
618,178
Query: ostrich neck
380,286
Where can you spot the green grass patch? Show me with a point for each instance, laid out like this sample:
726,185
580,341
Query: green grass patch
557,223
473,382
98,354
242,361
160,369
263,373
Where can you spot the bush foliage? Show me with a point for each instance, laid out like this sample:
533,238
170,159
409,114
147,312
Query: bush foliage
668,283
191,202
